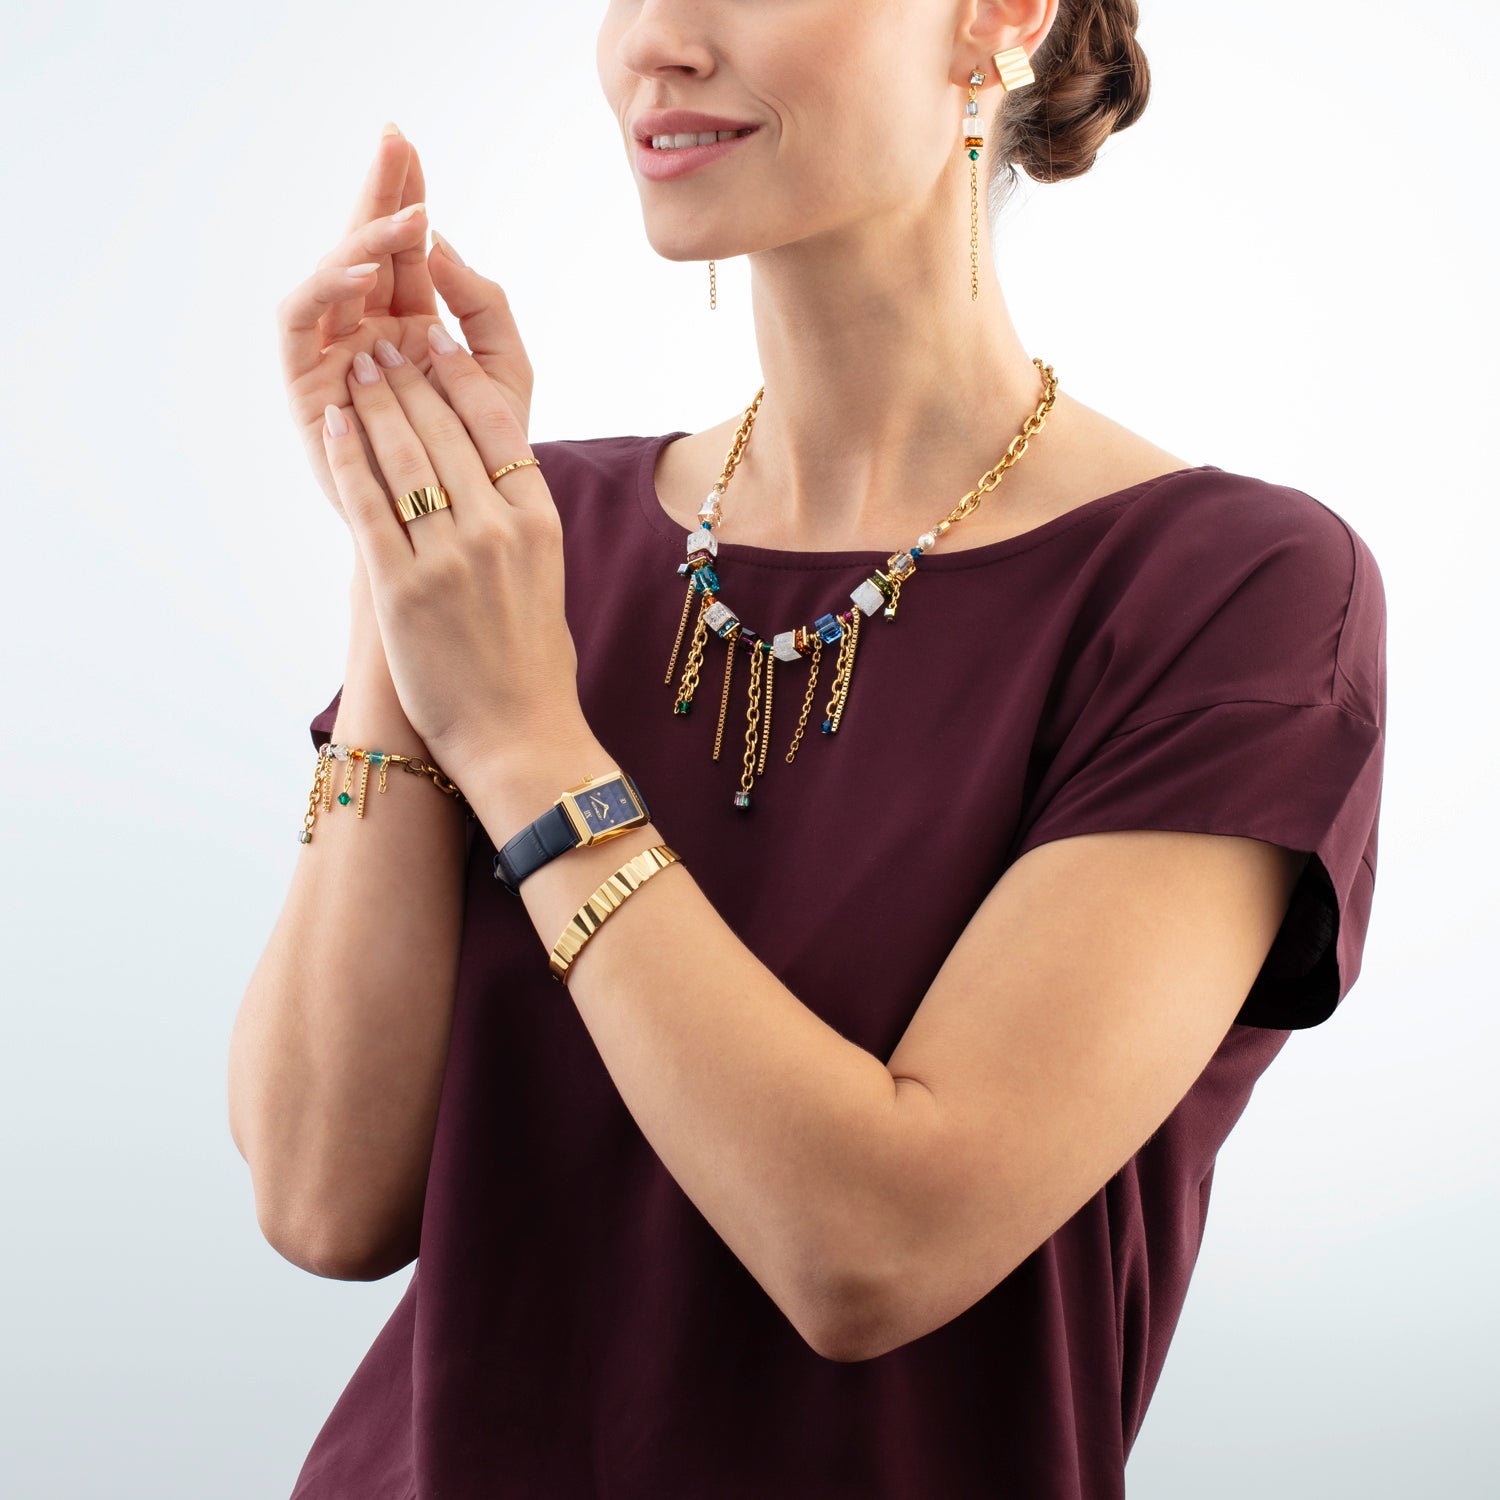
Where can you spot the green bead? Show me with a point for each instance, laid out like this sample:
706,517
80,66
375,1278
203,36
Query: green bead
974,155
344,798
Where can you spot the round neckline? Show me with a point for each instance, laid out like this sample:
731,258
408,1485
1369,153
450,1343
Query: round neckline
936,561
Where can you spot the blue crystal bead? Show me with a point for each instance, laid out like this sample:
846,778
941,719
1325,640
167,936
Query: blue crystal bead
827,726
828,628
742,801
916,552
706,578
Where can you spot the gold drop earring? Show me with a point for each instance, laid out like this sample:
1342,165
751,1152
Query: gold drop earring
1015,72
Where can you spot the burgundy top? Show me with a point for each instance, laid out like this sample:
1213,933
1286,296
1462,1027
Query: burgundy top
1202,651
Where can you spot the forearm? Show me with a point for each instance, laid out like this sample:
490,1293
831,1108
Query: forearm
797,1145
338,1052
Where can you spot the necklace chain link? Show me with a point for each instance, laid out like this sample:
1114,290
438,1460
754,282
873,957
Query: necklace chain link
805,642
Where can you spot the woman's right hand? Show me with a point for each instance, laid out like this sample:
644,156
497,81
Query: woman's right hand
328,319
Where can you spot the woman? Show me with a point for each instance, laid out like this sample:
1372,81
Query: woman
867,1152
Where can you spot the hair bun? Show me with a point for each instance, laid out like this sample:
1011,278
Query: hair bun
1092,79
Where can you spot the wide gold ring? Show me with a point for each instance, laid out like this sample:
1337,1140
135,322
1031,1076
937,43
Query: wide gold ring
421,502
504,469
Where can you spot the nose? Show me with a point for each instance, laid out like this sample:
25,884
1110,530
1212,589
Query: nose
665,39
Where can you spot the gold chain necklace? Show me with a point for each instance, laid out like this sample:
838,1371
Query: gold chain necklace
881,590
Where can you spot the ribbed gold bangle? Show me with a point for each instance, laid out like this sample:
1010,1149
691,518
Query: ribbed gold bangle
612,892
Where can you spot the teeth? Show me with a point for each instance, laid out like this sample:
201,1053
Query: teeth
702,138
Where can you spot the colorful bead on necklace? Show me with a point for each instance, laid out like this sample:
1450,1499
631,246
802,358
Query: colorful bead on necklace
880,591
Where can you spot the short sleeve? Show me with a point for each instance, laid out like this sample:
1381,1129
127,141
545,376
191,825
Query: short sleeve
321,725
1244,693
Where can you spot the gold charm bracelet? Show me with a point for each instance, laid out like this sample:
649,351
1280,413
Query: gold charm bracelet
321,795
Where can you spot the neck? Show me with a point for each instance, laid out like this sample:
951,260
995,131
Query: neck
888,391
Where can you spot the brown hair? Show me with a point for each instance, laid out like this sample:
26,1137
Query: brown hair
1092,79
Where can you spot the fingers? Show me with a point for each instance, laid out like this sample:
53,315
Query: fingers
323,308
490,423
387,238
384,182
379,197
384,542
415,436
299,317
483,312
412,291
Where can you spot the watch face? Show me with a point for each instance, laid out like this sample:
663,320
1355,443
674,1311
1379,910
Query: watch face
607,805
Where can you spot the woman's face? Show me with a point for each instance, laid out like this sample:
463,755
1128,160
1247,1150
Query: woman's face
857,108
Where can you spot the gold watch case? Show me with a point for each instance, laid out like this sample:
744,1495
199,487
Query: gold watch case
603,807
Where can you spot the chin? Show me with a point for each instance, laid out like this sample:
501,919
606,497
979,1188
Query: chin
684,247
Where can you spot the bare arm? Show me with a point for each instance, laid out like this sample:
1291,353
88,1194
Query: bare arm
876,1201
337,1055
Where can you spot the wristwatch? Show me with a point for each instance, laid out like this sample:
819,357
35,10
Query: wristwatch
594,811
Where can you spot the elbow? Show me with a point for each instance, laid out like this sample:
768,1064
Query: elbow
847,1317
336,1262
307,1242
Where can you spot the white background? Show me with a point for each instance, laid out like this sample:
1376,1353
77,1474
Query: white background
1286,269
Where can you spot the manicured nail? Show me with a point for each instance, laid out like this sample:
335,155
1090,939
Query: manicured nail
407,212
391,128
388,354
440,339
364,369
355,272
334,419
448,249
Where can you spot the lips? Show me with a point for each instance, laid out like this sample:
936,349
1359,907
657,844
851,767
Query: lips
663,166
682,122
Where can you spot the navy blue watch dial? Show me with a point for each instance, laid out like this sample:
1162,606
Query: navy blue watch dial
607,805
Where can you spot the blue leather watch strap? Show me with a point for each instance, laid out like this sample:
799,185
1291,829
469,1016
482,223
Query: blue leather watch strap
550,835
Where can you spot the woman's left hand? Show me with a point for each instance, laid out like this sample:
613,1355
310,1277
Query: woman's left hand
469,599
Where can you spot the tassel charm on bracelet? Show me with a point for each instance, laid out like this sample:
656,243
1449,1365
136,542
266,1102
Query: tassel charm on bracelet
880,592
322,796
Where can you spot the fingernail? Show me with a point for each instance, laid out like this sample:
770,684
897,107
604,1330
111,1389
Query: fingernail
334,418
391,128
364,369
407,212
355,272
441,339
448,249
388,353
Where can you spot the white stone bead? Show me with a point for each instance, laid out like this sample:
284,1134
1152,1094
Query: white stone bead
972,125
718,613
868,597
702,540
783,648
